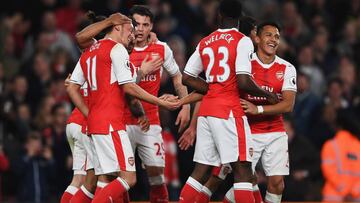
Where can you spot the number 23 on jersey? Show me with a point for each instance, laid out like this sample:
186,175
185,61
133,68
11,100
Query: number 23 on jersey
220,71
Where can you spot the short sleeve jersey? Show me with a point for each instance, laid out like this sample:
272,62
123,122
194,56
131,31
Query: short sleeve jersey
151,82
276,77
221,55
104,66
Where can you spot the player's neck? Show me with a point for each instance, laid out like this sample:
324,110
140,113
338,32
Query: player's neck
265,58
141,44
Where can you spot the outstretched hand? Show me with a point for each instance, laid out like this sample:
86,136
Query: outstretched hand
187,138
170,105
169,97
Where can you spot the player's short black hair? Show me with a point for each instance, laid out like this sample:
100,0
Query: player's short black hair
261,26
247,24
230,8
143,11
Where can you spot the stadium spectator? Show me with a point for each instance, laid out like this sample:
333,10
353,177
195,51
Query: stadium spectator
306,104
340,161
303,182
35,170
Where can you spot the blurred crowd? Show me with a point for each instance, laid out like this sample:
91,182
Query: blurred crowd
321,38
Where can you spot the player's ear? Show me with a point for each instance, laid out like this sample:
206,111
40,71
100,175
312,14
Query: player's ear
118,27
257,39
151,26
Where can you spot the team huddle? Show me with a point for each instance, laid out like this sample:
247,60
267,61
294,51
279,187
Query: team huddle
237,116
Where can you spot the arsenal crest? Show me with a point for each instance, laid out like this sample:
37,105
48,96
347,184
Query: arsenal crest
251,151
131,161
280,75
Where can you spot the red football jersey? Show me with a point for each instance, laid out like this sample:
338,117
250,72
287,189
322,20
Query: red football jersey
105,66
222,55
276,77
151,82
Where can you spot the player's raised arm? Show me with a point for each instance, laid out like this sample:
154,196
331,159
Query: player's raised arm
85,37
243,71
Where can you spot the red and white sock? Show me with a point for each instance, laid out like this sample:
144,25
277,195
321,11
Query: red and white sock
113,191
204,196
159,194
68,194
229,196
82,196
243,192
257,194
158,189
272,198
99,186
190,190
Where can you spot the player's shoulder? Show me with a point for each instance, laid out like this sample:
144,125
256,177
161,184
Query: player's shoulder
119,48
282,61
160,44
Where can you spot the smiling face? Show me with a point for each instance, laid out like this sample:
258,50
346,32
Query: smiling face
268,40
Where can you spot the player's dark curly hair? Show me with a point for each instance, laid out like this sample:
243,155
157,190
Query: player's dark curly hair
143,11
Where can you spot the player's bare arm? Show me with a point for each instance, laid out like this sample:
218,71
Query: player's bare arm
138,92
188,137
73,91
184,115
138,112
286,105
247,84
191,98
148,66
85,37
197,84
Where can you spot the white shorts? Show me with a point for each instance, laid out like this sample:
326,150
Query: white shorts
221,141
75,140
113,153
150,144
272,149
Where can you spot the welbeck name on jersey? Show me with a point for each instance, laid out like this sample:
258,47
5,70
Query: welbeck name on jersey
226,36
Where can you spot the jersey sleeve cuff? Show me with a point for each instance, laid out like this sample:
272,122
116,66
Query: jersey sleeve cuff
289,89
173,74
242,72
191,74
125,81
76,82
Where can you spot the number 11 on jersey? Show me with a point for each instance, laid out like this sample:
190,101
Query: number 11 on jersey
91,72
